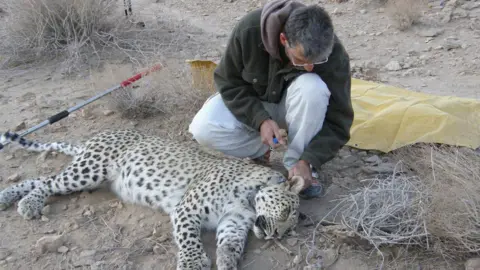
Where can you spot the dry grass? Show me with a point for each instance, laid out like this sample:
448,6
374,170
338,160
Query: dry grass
39,29
163,92
434,205
405,13
387,211
81,34
453,178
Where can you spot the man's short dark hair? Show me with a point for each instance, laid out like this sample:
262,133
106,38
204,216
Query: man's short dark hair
311,27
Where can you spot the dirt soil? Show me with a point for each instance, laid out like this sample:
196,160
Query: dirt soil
437,55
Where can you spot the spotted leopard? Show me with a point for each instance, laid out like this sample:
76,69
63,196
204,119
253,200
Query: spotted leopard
196,188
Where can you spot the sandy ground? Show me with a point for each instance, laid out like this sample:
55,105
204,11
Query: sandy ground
435,56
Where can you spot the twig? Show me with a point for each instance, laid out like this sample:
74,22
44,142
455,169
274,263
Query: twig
284,248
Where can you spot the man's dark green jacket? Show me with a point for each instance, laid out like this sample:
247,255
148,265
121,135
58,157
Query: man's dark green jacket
247,75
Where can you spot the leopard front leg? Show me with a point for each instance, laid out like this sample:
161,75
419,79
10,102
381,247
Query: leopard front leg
187,235
232,233
14,193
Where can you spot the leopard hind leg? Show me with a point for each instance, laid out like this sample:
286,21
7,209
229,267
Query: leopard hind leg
32,194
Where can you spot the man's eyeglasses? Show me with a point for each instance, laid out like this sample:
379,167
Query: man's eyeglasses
303,65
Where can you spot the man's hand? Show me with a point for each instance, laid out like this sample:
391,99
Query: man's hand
268,130
302,168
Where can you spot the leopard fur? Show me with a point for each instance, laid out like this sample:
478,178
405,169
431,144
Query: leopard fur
196,188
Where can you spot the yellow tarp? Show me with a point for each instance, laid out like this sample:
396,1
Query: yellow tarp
387,117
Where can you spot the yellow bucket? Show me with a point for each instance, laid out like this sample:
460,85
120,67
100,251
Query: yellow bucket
202,74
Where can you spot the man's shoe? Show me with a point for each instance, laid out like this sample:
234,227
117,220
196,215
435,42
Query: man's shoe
314,190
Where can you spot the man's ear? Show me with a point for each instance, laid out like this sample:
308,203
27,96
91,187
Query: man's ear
296,184
283,39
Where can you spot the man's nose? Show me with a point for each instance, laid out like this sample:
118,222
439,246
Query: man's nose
308,67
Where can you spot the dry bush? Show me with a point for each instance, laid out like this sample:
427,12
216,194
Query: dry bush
387,211
434,205
82,34
162,92
453,178
405,13
39,29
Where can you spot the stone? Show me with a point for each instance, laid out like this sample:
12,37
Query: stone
46,210
393,66
373,159
471,5
86,257
13,178
349,159
381,168
108,112
472,264
451,44
4,253
158,250
20,126
292,241
62,249
297,259
430,32
460,13
49,243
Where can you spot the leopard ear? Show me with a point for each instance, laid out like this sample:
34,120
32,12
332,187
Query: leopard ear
296,184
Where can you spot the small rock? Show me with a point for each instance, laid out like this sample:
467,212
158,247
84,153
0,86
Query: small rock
108,112
3,262
393,66
157,232
13,178
451,44
88,211
471,5
158,250
100,265
10,259
328,255
430,32
86,257
349,159
4,253
472,264
117,205
62,249
292,241
344,152
460,13
163,238
363,11
44,218
297,259
381,168
373,159
20,126
46,210
49,243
